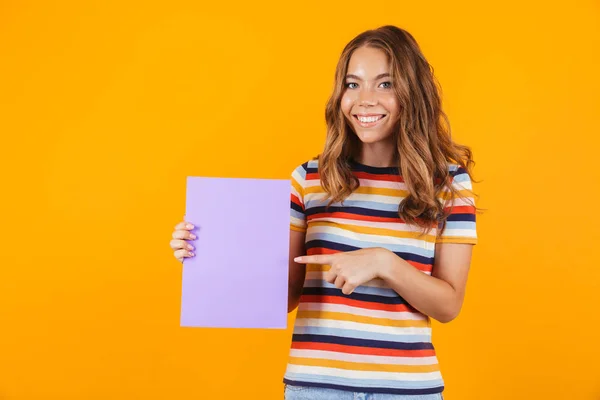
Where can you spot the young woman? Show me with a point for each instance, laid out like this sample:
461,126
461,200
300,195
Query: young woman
382,228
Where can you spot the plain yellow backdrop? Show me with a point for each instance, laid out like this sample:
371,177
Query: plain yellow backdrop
106,107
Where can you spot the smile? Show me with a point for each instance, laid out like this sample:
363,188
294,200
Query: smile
368,121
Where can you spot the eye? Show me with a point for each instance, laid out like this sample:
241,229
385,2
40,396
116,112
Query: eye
351,83
387,83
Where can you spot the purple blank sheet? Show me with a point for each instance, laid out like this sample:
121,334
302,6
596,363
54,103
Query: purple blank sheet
238,277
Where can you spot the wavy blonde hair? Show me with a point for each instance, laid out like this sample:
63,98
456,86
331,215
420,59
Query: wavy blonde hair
423,136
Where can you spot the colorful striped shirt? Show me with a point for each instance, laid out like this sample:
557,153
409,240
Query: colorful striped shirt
371,340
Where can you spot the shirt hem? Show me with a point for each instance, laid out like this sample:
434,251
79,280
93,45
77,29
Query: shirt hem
297,229
380,390
457,240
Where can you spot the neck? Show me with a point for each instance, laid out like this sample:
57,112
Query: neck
378,155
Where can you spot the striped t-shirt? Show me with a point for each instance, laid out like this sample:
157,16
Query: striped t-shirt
371,340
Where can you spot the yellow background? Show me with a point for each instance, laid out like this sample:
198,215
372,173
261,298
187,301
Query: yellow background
105,108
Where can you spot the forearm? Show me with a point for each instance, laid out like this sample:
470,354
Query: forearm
430,295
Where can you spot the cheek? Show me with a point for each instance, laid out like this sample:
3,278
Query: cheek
391,104
346,104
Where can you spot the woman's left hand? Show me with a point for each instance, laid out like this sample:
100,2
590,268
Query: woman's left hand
352,268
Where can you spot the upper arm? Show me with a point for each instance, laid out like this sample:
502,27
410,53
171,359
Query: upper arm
297,272
298,226
298,223
297,210
454,245
452,263
460,224
297,247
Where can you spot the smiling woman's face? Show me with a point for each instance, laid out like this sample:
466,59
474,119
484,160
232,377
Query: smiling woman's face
369,102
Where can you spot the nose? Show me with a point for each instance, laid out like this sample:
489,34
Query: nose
366,98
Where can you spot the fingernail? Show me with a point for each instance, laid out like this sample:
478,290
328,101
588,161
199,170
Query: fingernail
297,259
190,247
192,236
190,226
191,254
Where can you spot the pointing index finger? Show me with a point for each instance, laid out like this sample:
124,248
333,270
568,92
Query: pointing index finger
184,225
315,259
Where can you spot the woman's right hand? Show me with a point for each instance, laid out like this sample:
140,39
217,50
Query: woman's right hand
179,242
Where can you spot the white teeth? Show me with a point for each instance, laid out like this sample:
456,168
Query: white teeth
369,119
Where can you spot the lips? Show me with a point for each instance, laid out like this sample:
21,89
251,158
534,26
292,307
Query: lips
368,120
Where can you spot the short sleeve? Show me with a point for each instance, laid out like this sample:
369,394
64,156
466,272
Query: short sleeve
297,212
460,225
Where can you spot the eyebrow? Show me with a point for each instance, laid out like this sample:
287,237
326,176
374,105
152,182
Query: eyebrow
351,76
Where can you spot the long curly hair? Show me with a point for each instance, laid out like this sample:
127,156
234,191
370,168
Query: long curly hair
422,135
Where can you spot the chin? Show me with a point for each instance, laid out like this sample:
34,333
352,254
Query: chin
371,137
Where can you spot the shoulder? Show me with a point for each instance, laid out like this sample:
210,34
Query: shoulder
460,178
307,169
456,169
459,174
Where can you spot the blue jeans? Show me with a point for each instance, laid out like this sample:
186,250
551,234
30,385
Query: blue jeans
316,393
